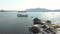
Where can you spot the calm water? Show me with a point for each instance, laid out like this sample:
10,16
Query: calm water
11,24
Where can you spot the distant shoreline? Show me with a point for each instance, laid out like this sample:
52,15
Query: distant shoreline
30,11
8,11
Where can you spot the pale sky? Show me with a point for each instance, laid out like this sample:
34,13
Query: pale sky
28,4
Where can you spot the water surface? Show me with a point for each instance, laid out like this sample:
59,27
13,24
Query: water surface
11,24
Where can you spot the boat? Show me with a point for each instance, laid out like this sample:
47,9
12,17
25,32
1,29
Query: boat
22,14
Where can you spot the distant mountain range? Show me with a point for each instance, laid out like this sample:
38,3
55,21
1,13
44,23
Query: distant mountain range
41,10
33,10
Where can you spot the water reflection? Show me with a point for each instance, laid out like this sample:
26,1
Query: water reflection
53,16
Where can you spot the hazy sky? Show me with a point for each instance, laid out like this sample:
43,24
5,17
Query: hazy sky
28,4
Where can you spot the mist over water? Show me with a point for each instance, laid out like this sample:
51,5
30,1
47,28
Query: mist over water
11,24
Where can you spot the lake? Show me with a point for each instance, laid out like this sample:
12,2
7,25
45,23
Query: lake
11,24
